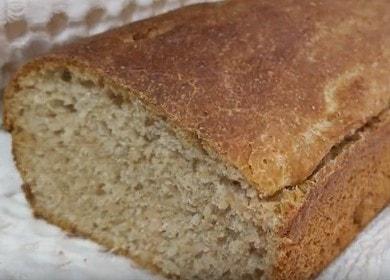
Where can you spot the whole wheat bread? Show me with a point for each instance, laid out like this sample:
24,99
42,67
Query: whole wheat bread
236,140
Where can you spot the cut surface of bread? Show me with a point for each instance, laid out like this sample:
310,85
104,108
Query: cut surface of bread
202,166
100,164
131,183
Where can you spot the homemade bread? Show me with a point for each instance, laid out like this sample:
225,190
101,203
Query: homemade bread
236,140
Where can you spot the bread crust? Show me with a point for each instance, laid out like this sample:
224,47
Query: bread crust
269,86
344,196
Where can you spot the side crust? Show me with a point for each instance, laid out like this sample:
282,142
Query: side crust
346,196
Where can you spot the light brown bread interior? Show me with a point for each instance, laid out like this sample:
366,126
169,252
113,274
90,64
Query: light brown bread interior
123,176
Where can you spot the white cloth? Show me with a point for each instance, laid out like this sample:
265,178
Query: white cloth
33,249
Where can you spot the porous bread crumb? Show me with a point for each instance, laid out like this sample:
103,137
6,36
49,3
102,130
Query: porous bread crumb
121,174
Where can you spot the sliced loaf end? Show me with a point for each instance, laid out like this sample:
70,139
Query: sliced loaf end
99,163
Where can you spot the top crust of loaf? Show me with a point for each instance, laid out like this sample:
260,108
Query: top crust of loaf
268,86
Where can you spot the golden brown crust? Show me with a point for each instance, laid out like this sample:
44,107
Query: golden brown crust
346,194
270,86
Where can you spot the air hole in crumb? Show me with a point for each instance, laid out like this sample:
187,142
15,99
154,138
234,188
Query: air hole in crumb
59,132
66,76
87,83
70,108
221,240
226,181
247,276
195,164
252,248
21,112
59,104
258,273
117,99
15,29
56,103
100,190
138,187
100,83
149,122
57,23
236,183
94,16
151,137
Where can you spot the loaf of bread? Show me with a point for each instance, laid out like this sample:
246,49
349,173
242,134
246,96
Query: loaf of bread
235,140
